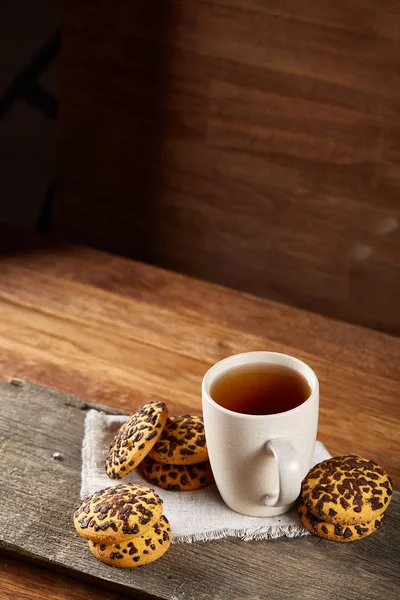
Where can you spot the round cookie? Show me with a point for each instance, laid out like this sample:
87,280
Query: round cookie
177,478
334,531
118,513
347,490
182,442
138,551
135,439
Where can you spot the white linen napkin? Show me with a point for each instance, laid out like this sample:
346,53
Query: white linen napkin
194,516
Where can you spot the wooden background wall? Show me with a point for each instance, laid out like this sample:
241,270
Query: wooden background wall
253,143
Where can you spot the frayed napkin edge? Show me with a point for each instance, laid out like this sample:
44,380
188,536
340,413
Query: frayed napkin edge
263,533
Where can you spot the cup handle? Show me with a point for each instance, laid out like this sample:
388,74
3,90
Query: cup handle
289,472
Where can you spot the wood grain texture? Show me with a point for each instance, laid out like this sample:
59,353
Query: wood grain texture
254,144
119,332
25,581
39,526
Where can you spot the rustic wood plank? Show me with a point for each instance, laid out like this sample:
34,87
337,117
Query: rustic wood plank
194,299
254,144
120,332
33,582
38,495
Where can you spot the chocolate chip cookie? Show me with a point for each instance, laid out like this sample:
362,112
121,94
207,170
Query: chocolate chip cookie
118,513
182,442
335,531
177,478
135,439
137,551
347,490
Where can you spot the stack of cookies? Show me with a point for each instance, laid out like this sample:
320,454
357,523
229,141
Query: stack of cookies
343,499
124,525
171,451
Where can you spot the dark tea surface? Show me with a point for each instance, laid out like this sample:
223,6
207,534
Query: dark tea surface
260,389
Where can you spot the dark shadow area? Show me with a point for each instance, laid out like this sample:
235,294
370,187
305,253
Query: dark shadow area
24,241
25,86
30,46
126,90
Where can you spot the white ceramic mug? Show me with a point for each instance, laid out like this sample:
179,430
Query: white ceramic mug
259,461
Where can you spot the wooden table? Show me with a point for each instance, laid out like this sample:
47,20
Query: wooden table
118,332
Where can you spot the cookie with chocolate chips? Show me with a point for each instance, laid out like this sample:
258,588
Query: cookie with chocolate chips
347,490
182,442
137,551
177,478
118,513
135,439
334,531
